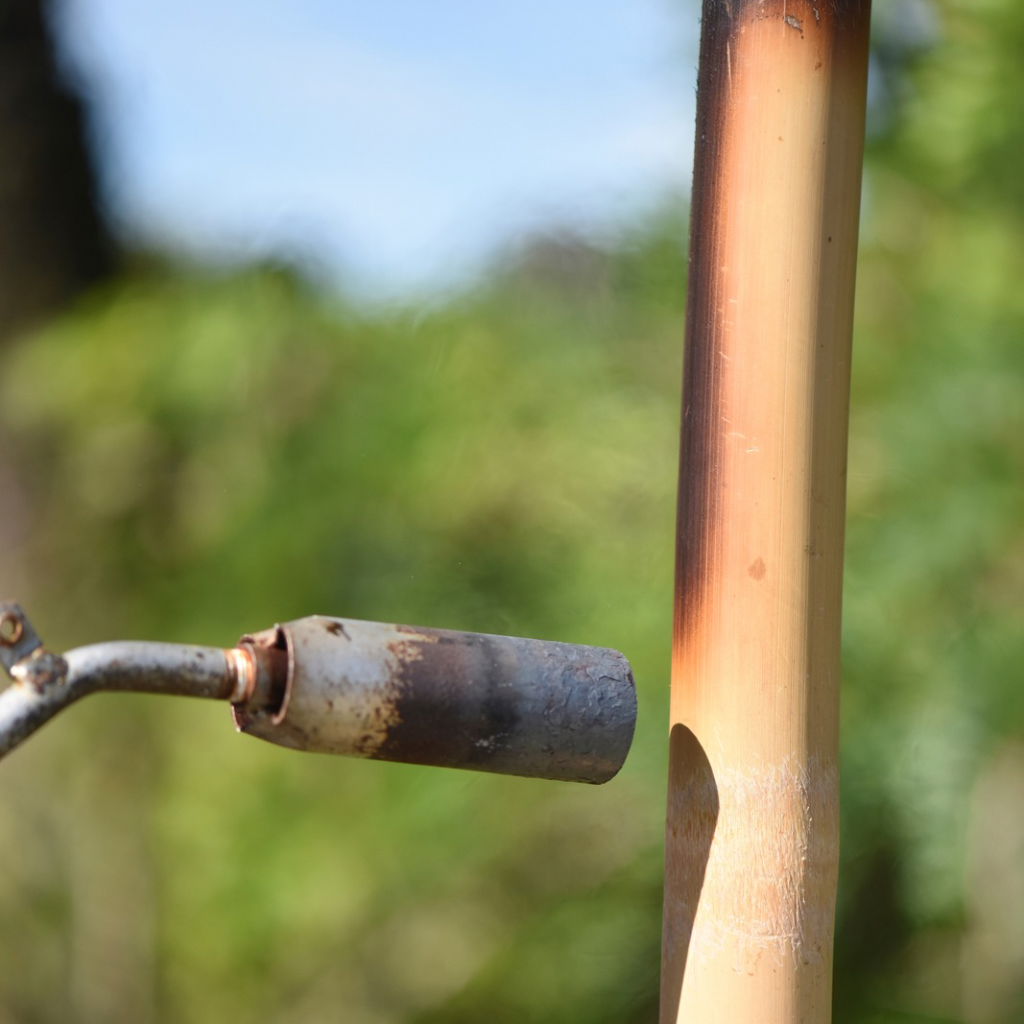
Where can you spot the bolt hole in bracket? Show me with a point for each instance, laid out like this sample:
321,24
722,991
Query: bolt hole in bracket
533,708
17,637
12,627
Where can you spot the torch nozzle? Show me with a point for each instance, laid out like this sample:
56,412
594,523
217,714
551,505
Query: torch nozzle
342,686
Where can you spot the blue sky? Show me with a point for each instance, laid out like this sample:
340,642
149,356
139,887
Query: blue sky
394,142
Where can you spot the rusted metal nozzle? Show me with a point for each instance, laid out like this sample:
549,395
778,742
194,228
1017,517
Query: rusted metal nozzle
438,697
341,686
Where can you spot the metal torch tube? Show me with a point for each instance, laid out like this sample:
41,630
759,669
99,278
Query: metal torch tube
437,697
124,666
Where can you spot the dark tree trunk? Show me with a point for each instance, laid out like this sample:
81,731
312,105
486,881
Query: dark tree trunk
54,240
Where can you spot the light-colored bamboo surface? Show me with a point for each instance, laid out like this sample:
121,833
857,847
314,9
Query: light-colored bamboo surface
752,832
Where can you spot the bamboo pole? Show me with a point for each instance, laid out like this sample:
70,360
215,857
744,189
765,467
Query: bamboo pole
752,831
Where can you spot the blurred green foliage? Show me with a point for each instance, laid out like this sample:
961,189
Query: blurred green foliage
190,456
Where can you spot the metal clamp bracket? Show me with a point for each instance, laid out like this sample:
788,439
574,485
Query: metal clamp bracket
22,652
17,637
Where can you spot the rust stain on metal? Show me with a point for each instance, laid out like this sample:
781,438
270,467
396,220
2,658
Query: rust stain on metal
336,628
267,682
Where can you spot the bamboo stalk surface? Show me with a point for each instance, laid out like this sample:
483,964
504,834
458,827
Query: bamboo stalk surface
752,830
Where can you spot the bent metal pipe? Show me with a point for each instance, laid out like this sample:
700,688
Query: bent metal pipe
533,708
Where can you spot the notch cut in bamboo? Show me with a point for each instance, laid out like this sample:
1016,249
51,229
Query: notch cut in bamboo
752,830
